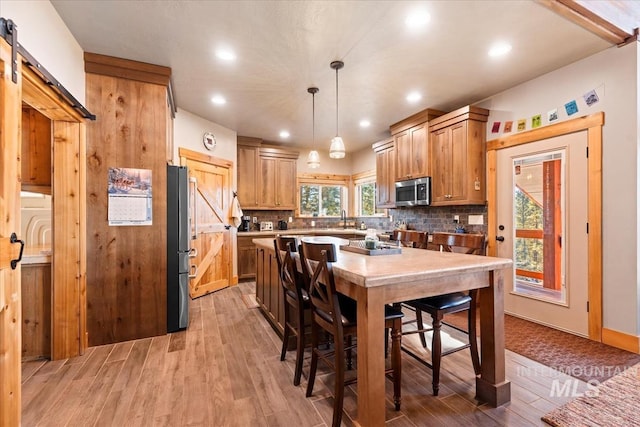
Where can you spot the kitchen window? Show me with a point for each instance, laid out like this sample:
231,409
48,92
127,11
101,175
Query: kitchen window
323,195
322,200
365,195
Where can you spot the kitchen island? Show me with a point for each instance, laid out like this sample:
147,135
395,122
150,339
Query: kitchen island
416,273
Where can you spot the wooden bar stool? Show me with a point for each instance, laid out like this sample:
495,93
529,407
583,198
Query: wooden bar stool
337,314
296,298
438,306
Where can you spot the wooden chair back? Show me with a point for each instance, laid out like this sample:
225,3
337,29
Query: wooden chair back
411,238
286,254
317,259
459,242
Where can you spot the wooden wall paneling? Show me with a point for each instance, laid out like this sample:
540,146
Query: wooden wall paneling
36,151
126,295
101,241
65,214
10,312
36,311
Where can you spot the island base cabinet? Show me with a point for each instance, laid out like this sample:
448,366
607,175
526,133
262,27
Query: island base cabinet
268,290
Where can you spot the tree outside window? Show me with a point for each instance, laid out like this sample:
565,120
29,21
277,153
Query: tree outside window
321,200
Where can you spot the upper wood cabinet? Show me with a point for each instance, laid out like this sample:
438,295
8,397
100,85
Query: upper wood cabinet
385,173
36,151
411,140
248,158
266,176
458,151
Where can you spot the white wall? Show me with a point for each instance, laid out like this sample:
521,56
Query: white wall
614,75
44,35
363,160
188,130
327,164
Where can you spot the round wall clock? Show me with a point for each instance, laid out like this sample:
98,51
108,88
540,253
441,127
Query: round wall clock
209,141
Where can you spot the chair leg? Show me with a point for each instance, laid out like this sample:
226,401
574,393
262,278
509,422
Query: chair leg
299,346
314,359
339,380
423,341
396,360
473,333
349,353
285,340
436,351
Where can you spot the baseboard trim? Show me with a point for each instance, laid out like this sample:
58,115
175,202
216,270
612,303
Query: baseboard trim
234,280
621,340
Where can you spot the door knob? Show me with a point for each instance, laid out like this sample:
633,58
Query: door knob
500,238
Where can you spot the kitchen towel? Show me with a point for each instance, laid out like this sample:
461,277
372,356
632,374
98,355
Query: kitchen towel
236,212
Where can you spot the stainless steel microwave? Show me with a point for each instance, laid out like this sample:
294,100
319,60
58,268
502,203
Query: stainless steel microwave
414,192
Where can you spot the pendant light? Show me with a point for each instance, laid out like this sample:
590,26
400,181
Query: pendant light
313,161
337,146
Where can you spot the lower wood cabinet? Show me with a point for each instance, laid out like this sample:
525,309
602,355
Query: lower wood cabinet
268,291
36,311
246,258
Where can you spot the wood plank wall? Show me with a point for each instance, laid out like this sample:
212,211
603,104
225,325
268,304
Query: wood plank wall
126,268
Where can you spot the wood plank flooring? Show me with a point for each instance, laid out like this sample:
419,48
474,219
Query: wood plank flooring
225,370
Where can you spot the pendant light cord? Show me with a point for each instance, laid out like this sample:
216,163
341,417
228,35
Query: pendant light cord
336,101
313,120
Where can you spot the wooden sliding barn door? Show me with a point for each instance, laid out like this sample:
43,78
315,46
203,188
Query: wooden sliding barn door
10,304
210,186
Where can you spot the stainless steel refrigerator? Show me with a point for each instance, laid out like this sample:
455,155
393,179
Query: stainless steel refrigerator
178,242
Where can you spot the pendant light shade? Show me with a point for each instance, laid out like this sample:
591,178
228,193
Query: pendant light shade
313,160
337,145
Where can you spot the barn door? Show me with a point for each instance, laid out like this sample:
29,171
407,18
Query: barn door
211,245
10,299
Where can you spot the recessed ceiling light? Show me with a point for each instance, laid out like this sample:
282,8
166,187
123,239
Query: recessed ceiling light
218,100
365,123
417,19
226,54
284,134
499,49
414,97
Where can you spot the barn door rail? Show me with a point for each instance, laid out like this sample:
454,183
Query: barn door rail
9,32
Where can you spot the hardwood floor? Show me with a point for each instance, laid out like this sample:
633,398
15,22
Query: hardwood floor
225,370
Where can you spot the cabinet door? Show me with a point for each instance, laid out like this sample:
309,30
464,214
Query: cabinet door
274,285
268,182
385,178
440,165
247,171
260,285
458,173
286,186
246,258
419,153
403,156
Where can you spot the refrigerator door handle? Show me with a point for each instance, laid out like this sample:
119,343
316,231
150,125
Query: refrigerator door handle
193,253
194,273
194,217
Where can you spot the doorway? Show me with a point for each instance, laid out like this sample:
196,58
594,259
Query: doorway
210,202
542,217
589,130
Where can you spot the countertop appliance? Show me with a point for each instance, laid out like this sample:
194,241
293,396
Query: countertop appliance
245,223
414,192
178,248
282,225
266,226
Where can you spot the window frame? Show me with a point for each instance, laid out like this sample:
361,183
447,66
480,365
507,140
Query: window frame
326,180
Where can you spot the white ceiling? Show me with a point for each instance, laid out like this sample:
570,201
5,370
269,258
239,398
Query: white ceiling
284,47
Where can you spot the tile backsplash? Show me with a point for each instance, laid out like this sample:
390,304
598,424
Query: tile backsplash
427,218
